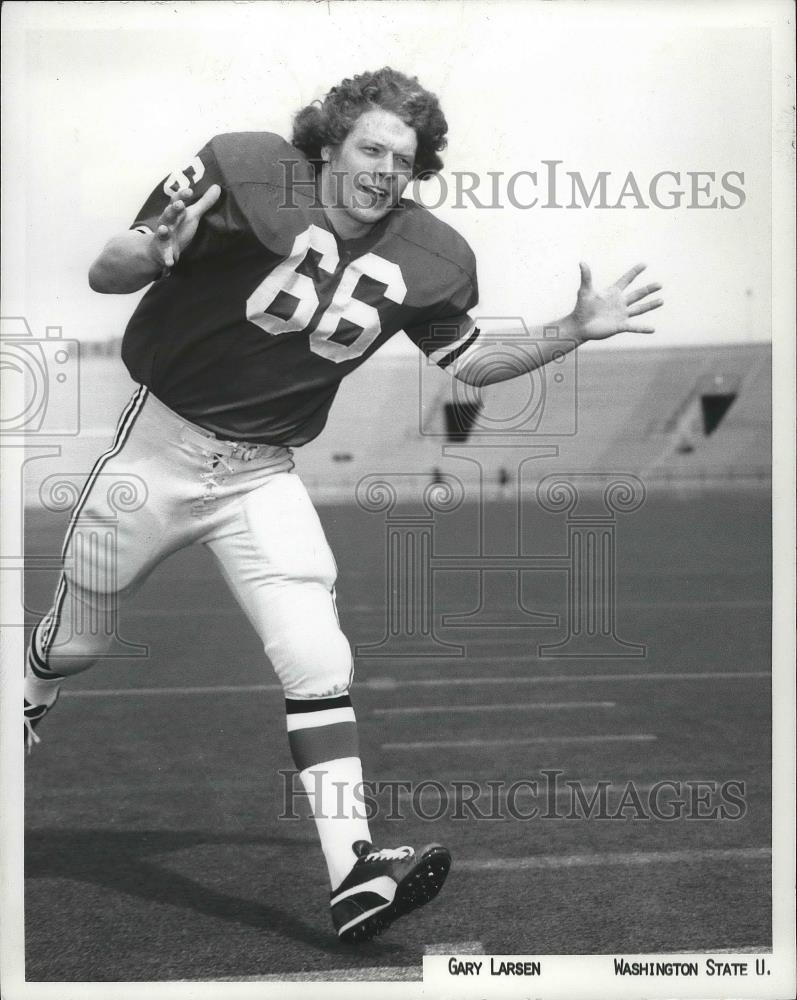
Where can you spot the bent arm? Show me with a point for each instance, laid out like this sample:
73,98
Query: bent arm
484,365
596,316
127,263
136,257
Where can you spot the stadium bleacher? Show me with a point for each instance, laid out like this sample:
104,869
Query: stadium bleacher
680,415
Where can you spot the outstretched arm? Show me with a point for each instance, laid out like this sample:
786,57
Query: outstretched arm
595,316
134,258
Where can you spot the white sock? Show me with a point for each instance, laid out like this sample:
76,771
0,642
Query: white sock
41,692
334,789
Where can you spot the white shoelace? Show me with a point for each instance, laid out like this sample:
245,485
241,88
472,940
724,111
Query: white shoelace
389,854
31,739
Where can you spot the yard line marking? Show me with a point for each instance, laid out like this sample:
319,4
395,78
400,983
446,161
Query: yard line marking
390,683
765,949
652,605
522,790
615,858
631,605
455,948
215,689
414,709
500,658
466,744
384,974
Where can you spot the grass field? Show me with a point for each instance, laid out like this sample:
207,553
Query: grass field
154,850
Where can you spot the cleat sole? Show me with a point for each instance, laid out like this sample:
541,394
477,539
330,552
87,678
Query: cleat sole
418,887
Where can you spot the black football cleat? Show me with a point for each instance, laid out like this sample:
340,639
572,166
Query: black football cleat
384,885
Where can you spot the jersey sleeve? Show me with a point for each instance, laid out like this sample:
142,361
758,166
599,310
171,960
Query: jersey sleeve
448,335
199,174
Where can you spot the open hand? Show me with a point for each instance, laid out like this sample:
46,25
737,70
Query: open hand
178,223
598,315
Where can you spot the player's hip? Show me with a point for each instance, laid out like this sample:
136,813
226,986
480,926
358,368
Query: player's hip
179,465
190,440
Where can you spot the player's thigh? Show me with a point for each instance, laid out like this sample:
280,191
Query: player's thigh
120,529
283,537
280,567
125,521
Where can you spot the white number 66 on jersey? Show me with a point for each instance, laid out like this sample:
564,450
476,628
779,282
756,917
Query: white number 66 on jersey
343,306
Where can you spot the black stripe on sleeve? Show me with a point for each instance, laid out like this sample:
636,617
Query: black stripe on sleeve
449,359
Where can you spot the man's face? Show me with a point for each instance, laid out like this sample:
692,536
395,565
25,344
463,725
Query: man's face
364,177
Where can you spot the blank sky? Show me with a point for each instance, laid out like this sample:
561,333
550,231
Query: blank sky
108,98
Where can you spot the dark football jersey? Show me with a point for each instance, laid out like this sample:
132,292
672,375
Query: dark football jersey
268,309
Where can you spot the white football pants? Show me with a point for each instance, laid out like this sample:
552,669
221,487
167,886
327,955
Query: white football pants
166,483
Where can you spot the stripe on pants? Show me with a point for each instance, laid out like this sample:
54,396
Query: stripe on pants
46,629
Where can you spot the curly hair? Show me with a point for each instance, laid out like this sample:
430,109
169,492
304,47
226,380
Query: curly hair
329,122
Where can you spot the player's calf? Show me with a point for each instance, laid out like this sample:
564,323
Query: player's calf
42,680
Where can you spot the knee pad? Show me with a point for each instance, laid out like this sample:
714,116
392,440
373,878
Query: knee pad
310,654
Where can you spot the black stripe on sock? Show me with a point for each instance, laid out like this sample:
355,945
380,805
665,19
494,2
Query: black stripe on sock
43,673
38,667
295,706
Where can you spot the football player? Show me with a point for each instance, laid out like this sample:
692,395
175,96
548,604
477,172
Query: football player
276,269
